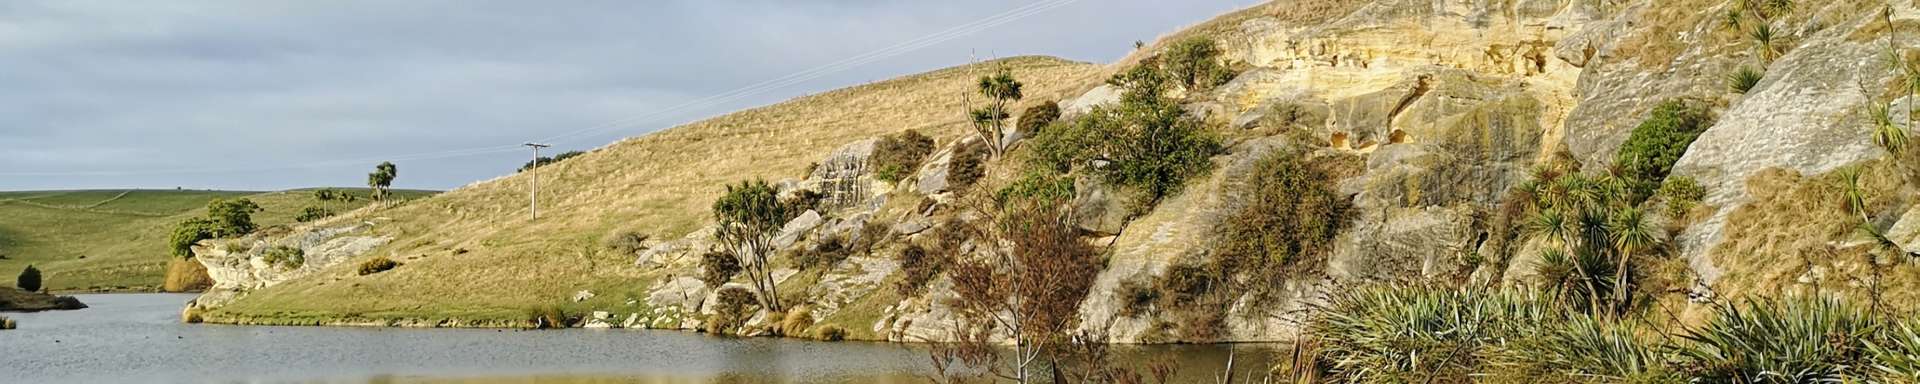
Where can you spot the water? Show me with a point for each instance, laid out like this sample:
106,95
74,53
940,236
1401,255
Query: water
138,338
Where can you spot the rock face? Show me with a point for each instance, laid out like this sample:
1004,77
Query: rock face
239,265
1436,110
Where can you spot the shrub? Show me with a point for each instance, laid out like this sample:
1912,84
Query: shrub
377,265
1795,340
917,267
1194,63
831,333
731,310
185,275
797,320
896,156
1743,79
824,253
1146,142
29,279
1139,296
1896,355
627,243
1036,118
312,214
231,217
1656,144
544,161
1583,349
187,233
1681,194
718,267
549,317
1391,334
285,257
1037,185
1286,224
967,166
6,323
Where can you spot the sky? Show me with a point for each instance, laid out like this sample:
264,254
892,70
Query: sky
269,95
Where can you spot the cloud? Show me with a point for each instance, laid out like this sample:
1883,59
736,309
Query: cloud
112,94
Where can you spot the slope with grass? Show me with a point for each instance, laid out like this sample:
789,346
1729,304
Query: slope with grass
1447,143
115,240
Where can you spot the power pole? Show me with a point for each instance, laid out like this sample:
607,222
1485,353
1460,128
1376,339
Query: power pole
533,189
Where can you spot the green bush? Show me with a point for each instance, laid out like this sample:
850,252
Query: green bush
1743,79
285,257
732,309
1036,118
187,233
29,279
1195,64
1795,340
377,265
544,161
967,166
312,213
1037,185
1656,144
1147,141
1285,226
231,217
897,155
1681,194
831,333
1583,349
1381,334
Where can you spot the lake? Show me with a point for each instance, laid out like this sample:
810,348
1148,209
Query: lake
138,338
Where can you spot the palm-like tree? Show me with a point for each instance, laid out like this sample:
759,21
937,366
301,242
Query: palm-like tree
1631,234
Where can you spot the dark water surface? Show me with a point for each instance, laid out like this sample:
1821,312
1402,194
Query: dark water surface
127,338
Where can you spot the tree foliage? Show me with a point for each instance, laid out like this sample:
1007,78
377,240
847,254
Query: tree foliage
990,121
1029,290
232,217
750,215
1145,142
1194,64
187,233
1656,144
382,178
29,279
545,160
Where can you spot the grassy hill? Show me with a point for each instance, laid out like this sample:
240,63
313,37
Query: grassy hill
116,239
472,254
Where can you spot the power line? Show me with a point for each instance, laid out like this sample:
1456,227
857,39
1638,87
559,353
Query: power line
709,101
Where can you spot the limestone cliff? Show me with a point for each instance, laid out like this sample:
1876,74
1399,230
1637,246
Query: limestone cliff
1444,106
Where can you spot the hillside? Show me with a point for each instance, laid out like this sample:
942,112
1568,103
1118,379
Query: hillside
1456,144
472,254
115,240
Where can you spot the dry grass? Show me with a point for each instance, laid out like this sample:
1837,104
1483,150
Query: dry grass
1226,27
1796,236
661,184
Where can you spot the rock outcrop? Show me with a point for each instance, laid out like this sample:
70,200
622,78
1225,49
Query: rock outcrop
1436,109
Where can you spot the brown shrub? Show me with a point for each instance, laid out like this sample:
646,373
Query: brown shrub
896,155
797,320
186,275
831,333
377,265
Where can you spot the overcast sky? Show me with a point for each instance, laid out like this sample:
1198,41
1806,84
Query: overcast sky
265,95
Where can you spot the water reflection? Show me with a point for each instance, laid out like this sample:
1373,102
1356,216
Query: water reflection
137,338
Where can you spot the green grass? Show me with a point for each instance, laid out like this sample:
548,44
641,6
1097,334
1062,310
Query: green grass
115,240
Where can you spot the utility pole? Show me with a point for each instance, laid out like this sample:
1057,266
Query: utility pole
533,189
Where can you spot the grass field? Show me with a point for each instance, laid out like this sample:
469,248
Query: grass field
115,240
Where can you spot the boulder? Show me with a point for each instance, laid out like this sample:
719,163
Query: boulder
797,228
